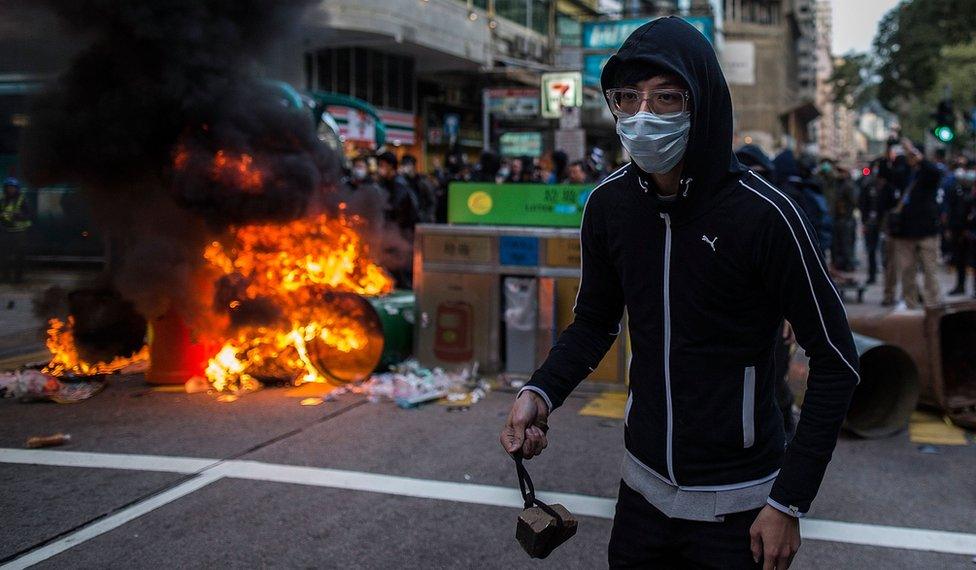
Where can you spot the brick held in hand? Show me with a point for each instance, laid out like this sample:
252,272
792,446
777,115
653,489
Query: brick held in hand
540,533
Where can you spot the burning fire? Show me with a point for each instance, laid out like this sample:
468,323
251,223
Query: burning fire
237,171
298,267
65,358
233,170
291,290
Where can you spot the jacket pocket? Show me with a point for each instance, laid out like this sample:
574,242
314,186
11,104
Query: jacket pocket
630,402
748,406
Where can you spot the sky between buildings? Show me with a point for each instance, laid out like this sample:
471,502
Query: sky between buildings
856,22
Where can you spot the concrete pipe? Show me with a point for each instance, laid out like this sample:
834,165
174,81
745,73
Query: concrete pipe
888,392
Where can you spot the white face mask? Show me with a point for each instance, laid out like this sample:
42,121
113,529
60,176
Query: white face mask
359,173
655,143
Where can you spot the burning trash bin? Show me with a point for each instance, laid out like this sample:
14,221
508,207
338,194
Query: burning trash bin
175,355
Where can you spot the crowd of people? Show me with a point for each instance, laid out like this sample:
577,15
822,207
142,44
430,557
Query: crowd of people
912,211
414,197
422,197
909,211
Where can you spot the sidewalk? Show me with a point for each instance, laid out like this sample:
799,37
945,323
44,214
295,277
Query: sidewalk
21,331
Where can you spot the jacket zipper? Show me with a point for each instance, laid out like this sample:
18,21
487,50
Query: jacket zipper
667,341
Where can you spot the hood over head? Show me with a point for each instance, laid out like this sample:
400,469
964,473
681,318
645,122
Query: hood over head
672,45
751,156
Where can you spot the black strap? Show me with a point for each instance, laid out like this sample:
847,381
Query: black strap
528,490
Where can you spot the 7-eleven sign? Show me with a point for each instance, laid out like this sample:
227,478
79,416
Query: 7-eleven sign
560,90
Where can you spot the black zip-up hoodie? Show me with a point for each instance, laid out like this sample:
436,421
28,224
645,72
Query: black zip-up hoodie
707,281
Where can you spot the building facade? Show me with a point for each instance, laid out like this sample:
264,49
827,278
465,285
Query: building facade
836,136
769,58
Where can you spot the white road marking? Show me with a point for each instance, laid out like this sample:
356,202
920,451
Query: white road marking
584,505
162,463
109,523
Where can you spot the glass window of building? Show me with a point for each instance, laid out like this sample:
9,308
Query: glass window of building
381,79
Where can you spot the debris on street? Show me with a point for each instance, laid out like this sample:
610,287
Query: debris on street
410,385
55,440
37,386
196,384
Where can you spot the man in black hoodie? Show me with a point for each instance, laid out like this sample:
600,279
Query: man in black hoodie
708,259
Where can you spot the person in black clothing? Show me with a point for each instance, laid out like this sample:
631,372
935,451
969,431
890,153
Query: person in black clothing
959,206
870,206
359,173
488,166
845,227
560,165
424,188
520,170
577,173
795,182
894,173
708,259
401,202
914,224
401,209
16,218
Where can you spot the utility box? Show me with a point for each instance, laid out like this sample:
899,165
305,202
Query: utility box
499,296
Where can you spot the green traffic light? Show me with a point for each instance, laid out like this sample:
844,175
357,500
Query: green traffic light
944,133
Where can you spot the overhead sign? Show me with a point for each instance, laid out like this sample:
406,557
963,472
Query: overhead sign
561,90
592,68
611,34
513,103
602,39
520,144
545,205
739,62
358,127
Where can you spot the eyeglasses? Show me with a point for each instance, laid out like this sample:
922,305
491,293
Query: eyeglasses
626,102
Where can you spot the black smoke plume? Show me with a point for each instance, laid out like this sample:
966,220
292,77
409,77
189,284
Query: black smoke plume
138,118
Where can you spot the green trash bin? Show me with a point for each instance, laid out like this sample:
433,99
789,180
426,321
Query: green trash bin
397,312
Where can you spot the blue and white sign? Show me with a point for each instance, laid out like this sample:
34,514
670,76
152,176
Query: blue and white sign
610,34
602,39
592,68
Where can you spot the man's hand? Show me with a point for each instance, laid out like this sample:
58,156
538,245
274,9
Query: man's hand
526,426
775,538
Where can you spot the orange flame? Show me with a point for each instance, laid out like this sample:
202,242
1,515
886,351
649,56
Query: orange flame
238,171
65,358
293,265
232,169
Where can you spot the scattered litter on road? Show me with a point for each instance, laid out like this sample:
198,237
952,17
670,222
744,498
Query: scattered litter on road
928,449
74,392
408,402
458,408
196,384
55,440
227,398
467,477
410,385
36,386
28,385
312,401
